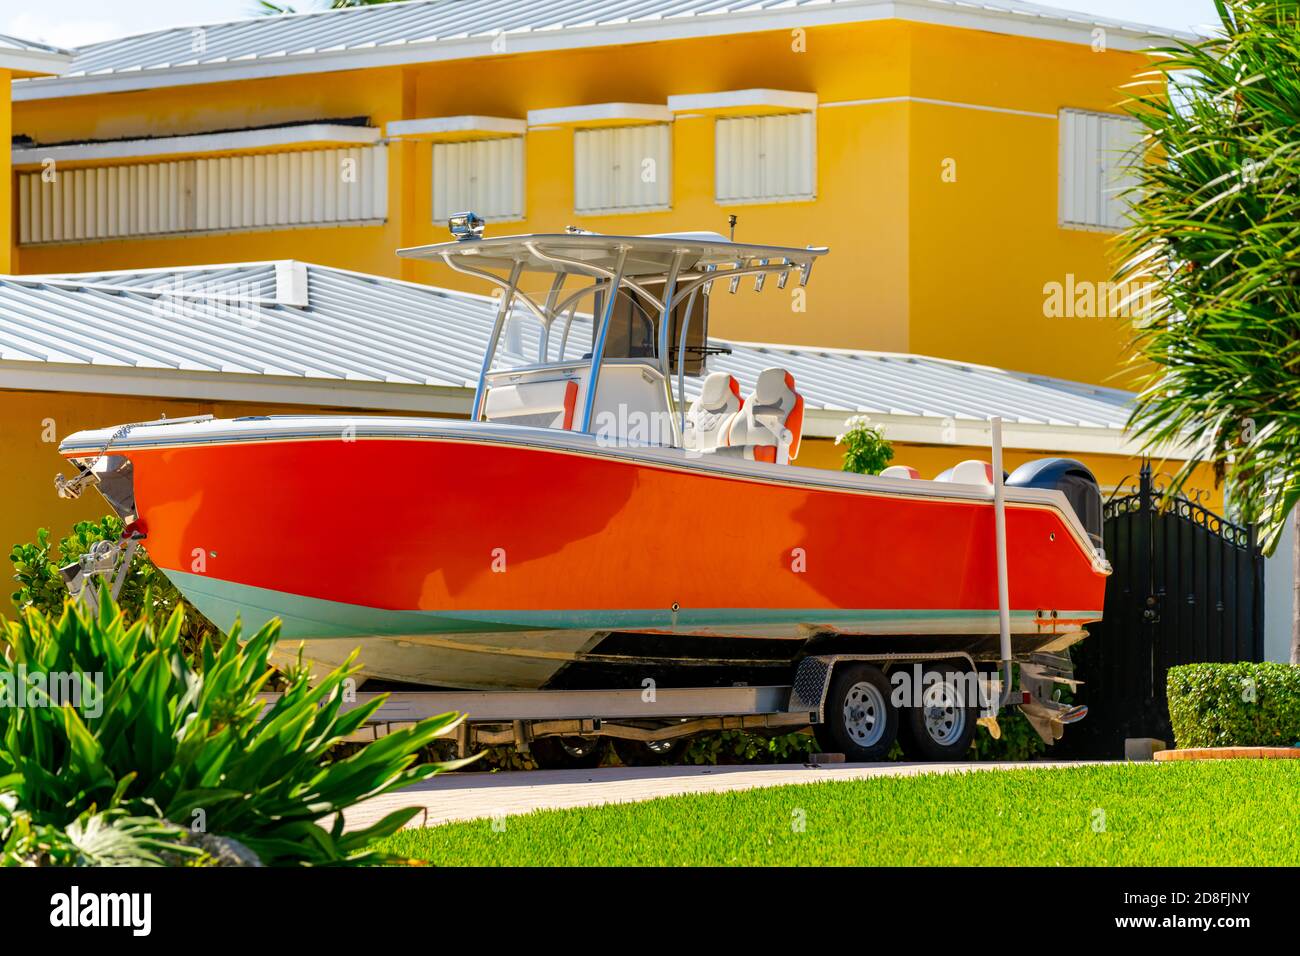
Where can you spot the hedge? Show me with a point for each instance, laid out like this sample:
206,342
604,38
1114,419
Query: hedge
1235,705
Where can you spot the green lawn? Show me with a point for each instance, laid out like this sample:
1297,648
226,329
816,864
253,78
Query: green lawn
1225,813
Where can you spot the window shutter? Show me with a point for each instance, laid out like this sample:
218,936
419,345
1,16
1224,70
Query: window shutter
622,169
251,191
766,158
1096,150
485,176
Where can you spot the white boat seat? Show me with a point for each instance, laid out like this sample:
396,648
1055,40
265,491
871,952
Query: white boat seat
711,412
900,471
631,401
769,426
969,472
549,401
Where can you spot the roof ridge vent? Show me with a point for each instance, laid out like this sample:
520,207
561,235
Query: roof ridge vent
291,283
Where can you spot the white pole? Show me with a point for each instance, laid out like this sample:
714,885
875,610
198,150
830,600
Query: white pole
1000,540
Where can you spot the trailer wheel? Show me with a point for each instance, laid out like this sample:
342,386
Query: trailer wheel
860,721
943,726
648,753
568,753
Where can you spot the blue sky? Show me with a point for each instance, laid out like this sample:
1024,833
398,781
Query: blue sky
74,22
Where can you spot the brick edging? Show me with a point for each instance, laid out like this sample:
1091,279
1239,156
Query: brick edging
1225,753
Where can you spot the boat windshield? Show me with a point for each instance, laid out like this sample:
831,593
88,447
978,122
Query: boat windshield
557,310
633,331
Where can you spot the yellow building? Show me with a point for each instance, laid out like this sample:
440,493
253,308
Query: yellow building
19,59
958,160
961,163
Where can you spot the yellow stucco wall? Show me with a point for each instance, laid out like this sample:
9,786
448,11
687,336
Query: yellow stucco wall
984,246
860,212
948,269
6,180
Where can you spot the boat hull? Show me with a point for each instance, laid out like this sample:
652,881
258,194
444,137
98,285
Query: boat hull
467,556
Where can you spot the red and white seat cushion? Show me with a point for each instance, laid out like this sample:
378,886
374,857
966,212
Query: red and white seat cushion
769,425
711,412
969,472
900,471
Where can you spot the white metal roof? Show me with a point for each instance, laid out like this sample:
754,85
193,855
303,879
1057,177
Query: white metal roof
892,384
233,332
18,44
239,319
425,30
27,56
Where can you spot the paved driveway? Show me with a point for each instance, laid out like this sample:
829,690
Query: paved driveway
470,796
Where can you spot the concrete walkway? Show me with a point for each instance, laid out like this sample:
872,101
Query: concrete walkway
471,796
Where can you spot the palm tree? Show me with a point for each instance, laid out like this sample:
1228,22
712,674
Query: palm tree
1216,238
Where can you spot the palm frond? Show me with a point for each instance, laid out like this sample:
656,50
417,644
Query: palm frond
1216,233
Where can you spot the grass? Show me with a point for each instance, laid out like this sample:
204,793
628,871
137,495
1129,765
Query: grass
1216,813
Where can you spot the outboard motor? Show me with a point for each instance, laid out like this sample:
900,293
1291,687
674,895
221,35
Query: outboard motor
1071,478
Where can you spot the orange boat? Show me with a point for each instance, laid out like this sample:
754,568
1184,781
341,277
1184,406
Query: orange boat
588,525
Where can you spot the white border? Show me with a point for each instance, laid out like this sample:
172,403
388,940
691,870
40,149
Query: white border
763,99
631,114
435,127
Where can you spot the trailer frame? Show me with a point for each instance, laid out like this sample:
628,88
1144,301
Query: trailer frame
647,714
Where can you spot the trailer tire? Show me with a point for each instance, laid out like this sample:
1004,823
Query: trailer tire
860,722
568,753
942,728
644,753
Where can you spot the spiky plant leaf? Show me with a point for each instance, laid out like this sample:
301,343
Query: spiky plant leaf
112,838
158,734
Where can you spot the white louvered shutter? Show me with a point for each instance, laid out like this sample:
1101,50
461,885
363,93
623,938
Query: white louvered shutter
622,169
766,158
251,191
484,176
1096,151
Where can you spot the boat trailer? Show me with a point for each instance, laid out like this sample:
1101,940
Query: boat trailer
653,714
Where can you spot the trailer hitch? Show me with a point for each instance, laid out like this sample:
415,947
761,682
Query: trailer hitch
105,560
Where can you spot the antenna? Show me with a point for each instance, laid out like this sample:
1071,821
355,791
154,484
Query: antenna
731,221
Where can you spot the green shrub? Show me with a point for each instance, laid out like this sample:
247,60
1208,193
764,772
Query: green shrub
741,747
1235,705
116,718
1019,740
36,569
108,838
866,451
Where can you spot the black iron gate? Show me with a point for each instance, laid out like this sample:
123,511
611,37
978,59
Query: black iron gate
1188,585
